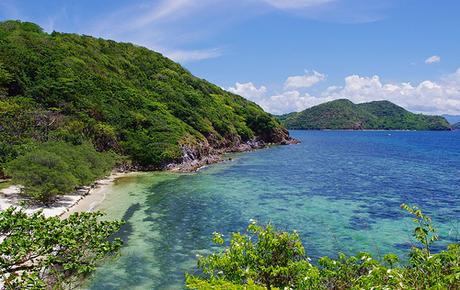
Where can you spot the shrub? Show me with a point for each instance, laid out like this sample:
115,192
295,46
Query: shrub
56,168
39,252
266,258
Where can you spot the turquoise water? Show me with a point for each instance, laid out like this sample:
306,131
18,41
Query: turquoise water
340,189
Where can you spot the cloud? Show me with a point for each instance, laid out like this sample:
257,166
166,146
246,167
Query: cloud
184,56
433,59
182,28
296,4
249,91
290,101
433,97
160,12
341,11
428,96
171,27
304,81
284,102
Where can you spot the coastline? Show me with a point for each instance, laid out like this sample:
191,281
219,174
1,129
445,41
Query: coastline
193,161
96,195
84,199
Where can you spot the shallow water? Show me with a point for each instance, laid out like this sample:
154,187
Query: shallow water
340,189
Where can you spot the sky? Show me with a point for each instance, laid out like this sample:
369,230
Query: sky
285,55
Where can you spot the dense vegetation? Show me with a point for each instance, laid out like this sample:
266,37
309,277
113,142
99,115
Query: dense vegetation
343,114
54,168
264,258
49,253
117,96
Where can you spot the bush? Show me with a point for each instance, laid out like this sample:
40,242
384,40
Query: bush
56,168
264,258
50,253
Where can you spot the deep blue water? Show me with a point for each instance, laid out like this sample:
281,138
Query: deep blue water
340,189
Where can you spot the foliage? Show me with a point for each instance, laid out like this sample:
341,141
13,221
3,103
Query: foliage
269,259
39,252
54,168
119,96
5,79
425,233
343,114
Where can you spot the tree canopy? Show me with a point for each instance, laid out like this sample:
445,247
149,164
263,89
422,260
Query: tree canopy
55,168
38,252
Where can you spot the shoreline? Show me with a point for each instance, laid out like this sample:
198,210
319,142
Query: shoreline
96,195
372,130
87,198
84,199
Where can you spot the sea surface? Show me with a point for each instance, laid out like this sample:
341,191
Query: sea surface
341,190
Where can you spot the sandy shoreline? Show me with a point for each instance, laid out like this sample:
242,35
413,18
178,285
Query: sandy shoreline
87,198
84,200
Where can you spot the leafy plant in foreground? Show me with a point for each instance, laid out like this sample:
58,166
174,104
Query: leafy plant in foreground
38,252
265,258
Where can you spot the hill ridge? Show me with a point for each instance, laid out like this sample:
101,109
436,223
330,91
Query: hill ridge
375,115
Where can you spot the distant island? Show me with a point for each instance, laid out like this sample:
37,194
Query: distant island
75,99
377,115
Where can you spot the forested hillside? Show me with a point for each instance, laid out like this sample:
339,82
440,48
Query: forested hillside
118,97
343,114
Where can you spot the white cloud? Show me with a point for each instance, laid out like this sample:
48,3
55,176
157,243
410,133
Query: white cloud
290,101
284,102
433,59
304,81
178,27
182,27
167,9
167,26
441,97
184,56
296,4
431,97
249,91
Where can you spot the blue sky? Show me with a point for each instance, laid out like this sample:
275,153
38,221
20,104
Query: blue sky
285,55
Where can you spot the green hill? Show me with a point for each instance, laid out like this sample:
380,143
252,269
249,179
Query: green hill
117,96
378,115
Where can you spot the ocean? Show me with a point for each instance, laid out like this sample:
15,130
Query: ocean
341,190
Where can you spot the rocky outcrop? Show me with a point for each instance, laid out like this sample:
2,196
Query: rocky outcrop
195,157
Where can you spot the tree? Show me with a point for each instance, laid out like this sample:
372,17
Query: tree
39,252
5,78
263,256
55,168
